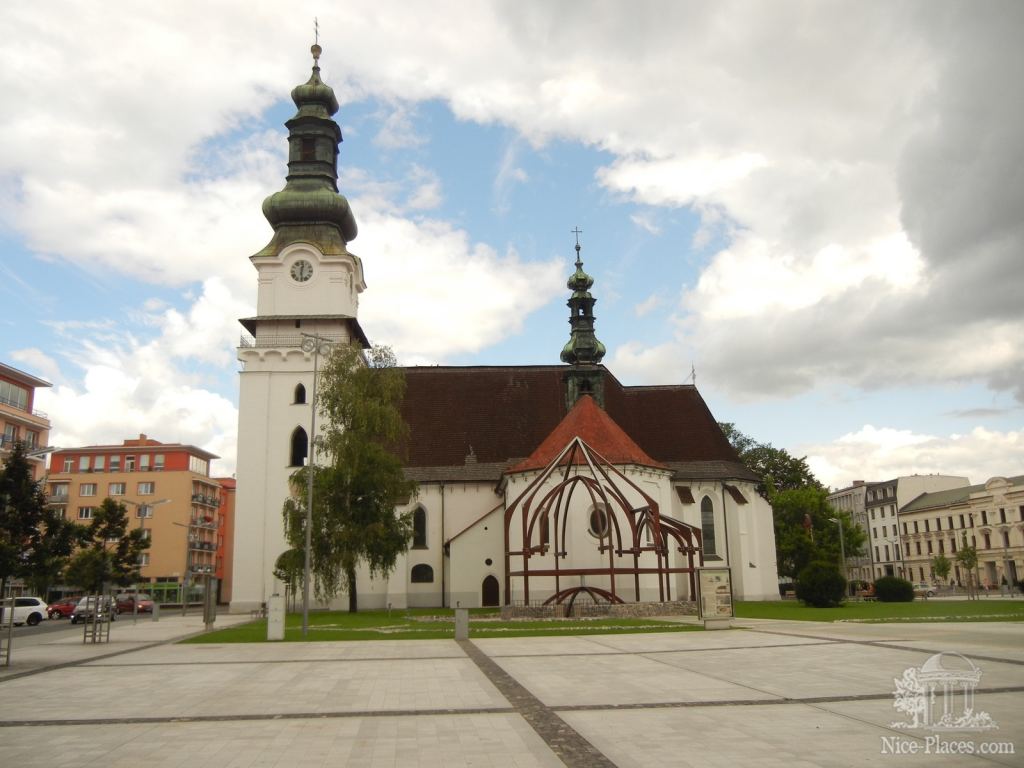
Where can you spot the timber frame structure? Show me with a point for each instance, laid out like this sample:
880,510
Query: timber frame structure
627,532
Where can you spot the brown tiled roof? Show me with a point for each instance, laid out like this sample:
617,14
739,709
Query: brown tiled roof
595,427
504,413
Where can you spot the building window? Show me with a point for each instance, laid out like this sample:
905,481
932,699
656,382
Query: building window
85,513
887,552
926,527
952,545
929,547
69,465
158,462
872,514
144,558
915,527
1002,515
12,394
942,547
300,394
938,523
116,489
144,462
115,463
907,547
59,491
917,544
419,528
146,489
877,556
950,521
988,541
147,534
199,466
984,517
962,522
99,464
32,439
598,527
87,489
300,447
83,463
129,463
422,574
144,510
707,527
1006,538
904,529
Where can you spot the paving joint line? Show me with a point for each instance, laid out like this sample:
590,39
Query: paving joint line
566,742
890,644
255,717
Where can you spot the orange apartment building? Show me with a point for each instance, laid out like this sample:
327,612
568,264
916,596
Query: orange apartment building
19,419
169,493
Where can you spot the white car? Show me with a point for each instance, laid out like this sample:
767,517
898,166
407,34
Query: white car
27,610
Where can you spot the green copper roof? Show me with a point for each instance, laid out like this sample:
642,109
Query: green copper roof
583,347
309,208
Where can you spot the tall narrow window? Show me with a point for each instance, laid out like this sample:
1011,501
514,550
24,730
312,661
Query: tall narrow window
419,528
707,527
300,394
300,447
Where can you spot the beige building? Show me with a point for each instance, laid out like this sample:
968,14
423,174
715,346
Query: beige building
19,419
169,493
990,516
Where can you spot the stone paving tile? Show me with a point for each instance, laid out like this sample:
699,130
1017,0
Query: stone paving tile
498,740
621,679
823,670
779,736
237,689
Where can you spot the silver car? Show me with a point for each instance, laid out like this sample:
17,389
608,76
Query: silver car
87,607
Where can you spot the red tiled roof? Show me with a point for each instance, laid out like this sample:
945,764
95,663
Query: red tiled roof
595,427
506,412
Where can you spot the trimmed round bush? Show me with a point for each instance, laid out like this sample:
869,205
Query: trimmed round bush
821,585
892,589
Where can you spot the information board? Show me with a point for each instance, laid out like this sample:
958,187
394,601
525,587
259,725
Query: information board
715,588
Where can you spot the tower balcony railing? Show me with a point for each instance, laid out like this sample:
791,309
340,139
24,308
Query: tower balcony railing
246,341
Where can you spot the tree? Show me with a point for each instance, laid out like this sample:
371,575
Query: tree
34,540
804,531
941,566
362,481
778,469
968,558
111,552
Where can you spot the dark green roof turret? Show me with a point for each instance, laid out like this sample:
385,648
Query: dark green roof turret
309,208
583,347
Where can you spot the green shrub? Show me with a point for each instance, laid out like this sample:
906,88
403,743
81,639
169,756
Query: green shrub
821,585
892,589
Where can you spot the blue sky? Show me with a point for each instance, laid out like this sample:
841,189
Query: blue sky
810,203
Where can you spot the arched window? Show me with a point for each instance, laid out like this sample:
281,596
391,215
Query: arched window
419,529
300,394
300,448
598,520
422,574
707,527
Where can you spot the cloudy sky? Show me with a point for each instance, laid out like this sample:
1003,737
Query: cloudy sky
816,206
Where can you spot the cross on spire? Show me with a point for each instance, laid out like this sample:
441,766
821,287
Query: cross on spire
316,30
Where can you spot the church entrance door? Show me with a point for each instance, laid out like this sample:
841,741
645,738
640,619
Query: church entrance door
491,596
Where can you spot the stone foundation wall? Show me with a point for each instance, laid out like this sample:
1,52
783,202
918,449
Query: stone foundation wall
588,609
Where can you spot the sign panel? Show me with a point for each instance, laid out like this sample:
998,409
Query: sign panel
715,588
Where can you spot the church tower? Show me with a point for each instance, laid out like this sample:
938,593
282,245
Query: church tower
583,351
308,291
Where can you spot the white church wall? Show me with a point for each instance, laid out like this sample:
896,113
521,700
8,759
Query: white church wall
476,554
335,283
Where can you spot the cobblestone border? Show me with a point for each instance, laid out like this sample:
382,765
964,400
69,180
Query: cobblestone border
570,747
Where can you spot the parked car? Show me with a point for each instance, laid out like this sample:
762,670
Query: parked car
87,607
126,603
27,610
61,609
922,589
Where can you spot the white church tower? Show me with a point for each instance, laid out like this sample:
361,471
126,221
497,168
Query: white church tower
309,284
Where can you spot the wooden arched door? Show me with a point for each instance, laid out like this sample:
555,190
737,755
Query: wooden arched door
491,594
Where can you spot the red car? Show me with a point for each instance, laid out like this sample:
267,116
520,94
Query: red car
126,603
62,608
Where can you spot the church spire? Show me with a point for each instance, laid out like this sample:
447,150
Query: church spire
584,351
309,208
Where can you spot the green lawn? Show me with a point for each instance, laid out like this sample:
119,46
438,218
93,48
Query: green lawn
986,609
428,624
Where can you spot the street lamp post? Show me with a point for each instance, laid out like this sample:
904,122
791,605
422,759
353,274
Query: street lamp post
318,345
842,546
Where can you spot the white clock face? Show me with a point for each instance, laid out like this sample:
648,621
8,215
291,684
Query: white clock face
302,270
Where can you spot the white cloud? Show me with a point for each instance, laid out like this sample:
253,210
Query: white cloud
398,129
433,293
38,363
426,193
648,305
875,453
646,221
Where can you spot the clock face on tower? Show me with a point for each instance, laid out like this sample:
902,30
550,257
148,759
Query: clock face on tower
302,270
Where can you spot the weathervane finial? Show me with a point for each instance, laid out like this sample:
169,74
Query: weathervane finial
316,50
577,231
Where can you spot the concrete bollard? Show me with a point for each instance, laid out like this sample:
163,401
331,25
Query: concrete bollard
275,617
462,623
156,612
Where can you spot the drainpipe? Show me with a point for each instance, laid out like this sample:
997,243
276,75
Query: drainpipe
444,598
725,521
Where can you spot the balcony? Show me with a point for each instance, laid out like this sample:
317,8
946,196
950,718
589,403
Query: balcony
209,501
290,341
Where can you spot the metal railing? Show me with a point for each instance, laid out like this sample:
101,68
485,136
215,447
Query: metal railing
246,341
